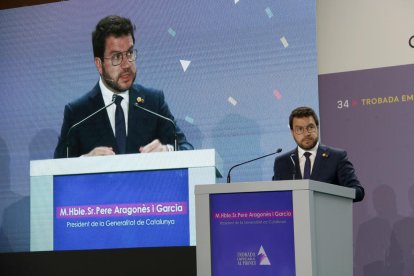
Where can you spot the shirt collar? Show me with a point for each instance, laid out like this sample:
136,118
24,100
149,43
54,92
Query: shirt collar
108,94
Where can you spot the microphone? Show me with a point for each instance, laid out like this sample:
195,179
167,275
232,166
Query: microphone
83,120
141,101
228,174
294,165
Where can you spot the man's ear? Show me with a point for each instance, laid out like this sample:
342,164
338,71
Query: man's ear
98,64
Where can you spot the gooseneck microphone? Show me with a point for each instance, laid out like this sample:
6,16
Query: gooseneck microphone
292,156
141,101
83,120
228,174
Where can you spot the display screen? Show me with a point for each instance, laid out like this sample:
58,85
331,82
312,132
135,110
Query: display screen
231,72
121,210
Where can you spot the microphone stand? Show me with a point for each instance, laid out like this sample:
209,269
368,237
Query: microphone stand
165,118
83,120
228,174
292,156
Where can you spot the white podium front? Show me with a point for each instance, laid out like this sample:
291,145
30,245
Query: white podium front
299,227
198,166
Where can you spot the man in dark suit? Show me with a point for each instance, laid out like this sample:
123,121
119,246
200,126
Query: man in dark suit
123,127
311,160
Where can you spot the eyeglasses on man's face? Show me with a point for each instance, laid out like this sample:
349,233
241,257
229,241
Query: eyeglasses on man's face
311,128
117,58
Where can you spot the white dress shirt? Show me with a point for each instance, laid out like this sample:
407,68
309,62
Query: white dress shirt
107,97
302,157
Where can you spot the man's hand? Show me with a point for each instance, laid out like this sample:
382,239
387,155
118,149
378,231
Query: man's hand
154,146
99,151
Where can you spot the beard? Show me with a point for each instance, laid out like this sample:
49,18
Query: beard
308,146
112,83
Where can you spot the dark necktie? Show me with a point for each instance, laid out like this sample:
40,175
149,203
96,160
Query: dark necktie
307,169
120,131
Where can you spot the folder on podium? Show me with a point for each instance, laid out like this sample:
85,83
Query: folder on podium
120,201
298,227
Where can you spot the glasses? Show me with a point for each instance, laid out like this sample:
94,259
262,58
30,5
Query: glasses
309,128
117,58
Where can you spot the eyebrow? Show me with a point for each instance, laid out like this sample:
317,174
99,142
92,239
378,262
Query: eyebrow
311,124
117,52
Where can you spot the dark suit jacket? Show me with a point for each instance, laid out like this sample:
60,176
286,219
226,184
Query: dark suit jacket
331,166
143,127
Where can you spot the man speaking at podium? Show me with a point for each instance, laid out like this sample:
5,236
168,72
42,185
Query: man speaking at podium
117,116
311,160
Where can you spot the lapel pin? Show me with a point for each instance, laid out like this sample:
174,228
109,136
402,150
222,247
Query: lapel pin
140,100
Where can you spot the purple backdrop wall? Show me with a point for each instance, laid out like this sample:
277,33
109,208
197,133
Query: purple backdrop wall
370,113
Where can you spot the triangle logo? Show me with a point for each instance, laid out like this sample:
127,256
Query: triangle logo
263,259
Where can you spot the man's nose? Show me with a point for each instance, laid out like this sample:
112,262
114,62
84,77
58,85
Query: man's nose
125,63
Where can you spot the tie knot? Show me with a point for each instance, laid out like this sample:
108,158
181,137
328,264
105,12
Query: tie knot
118,100
307,154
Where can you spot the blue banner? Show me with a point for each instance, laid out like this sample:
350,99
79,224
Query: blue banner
121,210
252,234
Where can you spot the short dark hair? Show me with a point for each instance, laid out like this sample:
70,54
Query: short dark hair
111,25
302,112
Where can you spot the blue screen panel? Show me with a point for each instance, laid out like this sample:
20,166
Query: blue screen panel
121,210
252,234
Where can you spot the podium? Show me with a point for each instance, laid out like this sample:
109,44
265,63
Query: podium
120,201
298,227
